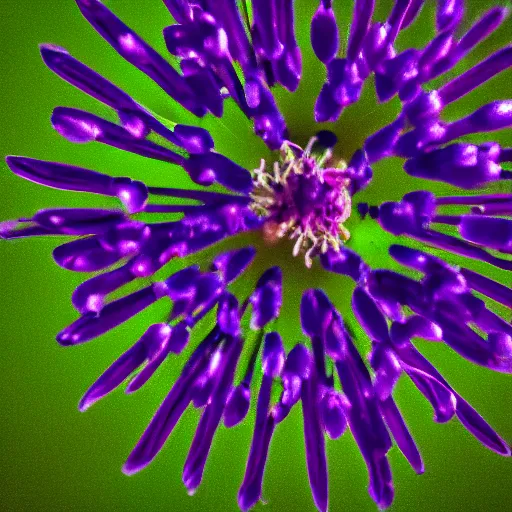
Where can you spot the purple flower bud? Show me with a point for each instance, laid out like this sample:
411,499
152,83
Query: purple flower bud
266,299
387,370
324,33
315,312
228,316
332,412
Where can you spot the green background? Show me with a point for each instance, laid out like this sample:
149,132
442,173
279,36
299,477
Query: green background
54,458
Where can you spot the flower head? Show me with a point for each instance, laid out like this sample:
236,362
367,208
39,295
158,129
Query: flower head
239,52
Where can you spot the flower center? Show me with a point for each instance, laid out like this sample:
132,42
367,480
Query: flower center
304,197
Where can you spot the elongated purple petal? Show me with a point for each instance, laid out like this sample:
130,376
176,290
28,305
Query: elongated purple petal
363,11
491,232
170,411
212,415
90,295
119,371
315,443
136,51
476,76
369,315
113,314
67,177
401,434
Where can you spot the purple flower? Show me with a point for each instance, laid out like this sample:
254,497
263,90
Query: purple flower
306,195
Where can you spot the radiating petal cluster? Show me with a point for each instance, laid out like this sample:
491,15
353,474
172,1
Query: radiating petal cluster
237,51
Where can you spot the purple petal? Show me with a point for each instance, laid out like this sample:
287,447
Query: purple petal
90,295
115,375
170,411
473,422
81,127
266,299
233,263
113,314
84,78
120,370
332,412
387,370
136,51
492,289
462,165
266,42
174,342
315,312
487,24
494,233
273,357
79,221
85,255
381,144
449,14
315,442
476,76
369,315
211,417
206,168
363,11
250,490
345,262
401,434
228,316
66,177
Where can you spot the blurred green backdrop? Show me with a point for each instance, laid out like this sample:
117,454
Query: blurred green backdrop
54,458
